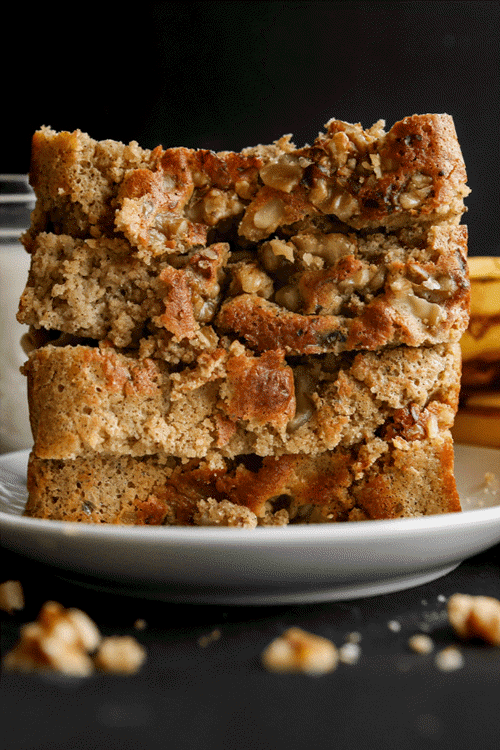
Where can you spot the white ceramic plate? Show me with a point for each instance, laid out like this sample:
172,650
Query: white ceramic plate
294,564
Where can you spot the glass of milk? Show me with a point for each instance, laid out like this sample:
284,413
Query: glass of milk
16,203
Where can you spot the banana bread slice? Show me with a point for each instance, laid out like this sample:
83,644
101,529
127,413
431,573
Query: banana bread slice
319,290
167,200
387,477
89,400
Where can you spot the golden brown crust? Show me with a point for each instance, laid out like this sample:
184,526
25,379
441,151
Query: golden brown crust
264,325
318,289
260,389
75,179
166,199
419,144
369,179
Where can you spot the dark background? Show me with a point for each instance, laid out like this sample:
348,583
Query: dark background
225,75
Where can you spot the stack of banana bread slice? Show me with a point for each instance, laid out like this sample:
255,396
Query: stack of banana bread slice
246,339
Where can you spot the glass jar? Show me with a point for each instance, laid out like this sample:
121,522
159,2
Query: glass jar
17,200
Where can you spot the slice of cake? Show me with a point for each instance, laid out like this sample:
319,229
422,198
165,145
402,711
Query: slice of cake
313,291
388,477
86,400
169,200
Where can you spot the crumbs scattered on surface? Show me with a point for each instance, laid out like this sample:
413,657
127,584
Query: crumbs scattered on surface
68,641
432,619
354,637
491,483
485,494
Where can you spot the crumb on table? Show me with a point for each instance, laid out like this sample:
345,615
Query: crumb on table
11,596
299,651
475,617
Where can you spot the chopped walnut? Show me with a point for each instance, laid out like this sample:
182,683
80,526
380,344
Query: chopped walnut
429,313
11,596
339,148
120,655
269,216
59,640
299,651
332,200
283,174
250,279
331,247
289,297
218,205
68,641
475,617
272,250
418,188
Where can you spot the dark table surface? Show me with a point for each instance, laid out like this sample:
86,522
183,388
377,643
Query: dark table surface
217,695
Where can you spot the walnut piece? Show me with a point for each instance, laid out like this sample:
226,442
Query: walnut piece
120,655
475,617
59,640
65,640
299,651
